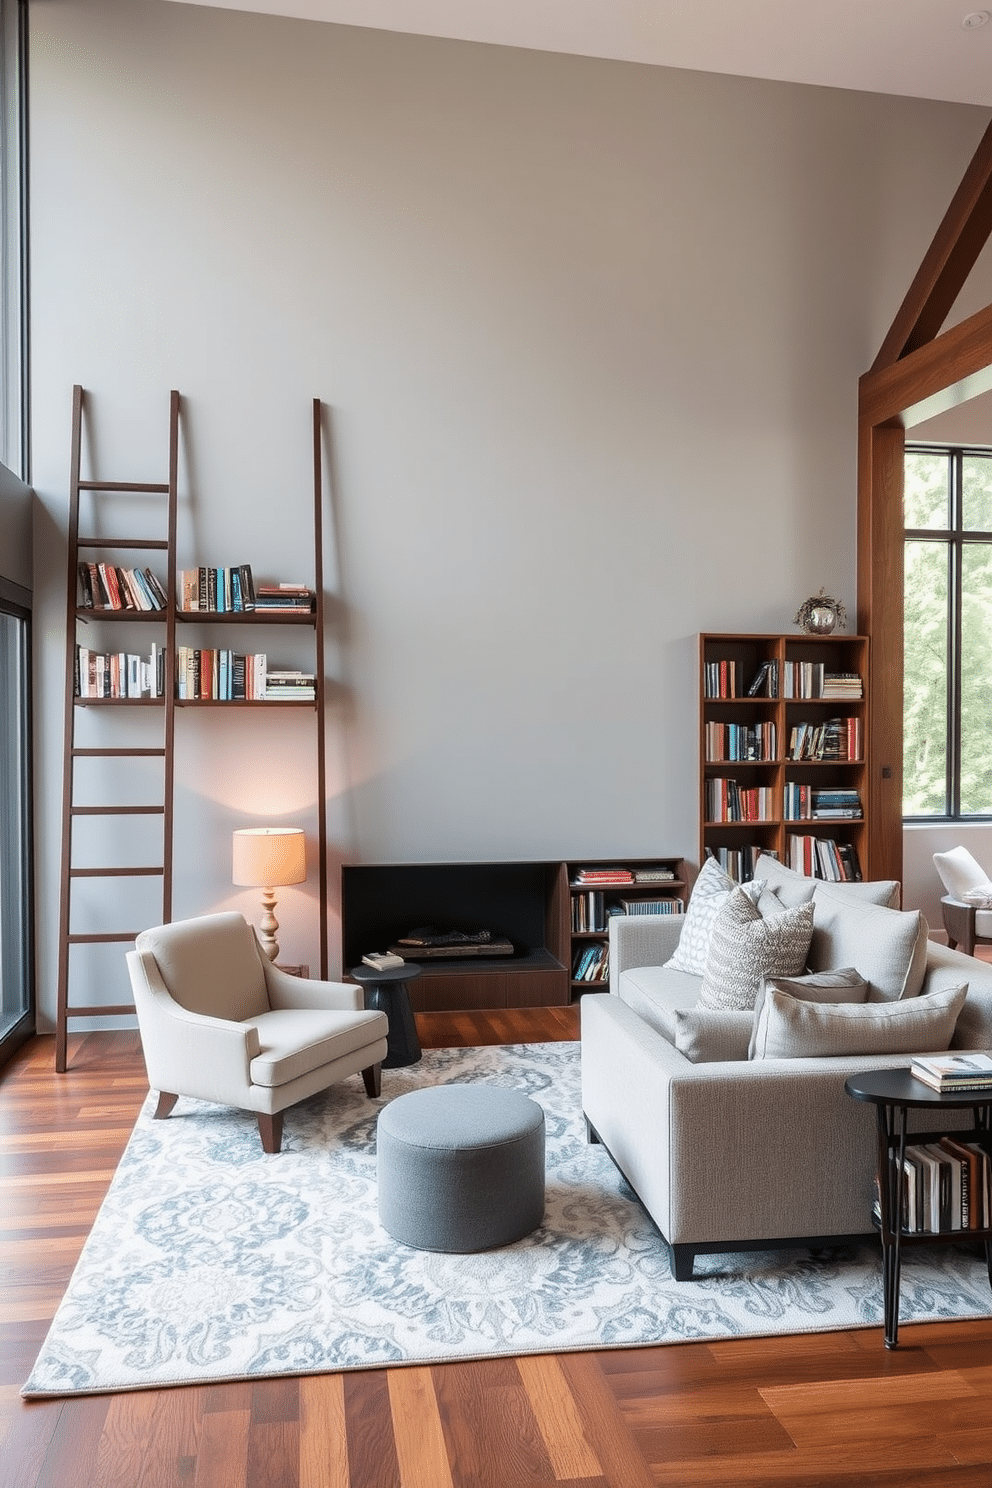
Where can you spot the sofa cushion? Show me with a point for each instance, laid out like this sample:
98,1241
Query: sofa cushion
709,894
789,1028
888,946
655,993
843,985
796,888
711,1035
746,946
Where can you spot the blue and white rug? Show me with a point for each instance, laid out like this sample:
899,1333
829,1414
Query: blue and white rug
211,1261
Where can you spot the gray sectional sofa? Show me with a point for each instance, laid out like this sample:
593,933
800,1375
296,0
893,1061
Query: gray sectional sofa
732,1147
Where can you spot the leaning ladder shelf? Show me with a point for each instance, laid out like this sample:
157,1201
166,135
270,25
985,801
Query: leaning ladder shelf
167,617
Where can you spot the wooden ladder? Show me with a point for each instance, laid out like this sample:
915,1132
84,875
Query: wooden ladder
71,812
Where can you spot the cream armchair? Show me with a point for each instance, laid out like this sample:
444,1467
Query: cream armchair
967,905
218,1021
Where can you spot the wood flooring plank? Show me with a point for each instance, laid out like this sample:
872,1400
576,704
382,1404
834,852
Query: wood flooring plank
560,1419
72,1455
323,1433
420,1446
222,1457
622,1462
371,1448
127,1430
487,1419
273,1453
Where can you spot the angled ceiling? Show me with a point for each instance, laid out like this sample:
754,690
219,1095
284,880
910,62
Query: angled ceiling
920,48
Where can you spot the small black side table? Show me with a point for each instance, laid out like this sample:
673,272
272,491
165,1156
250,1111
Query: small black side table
893,1092
386,992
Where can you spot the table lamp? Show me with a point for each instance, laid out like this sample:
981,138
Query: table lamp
267,858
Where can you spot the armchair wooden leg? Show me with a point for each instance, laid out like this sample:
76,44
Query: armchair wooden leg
373,1080
270,1131
165,1105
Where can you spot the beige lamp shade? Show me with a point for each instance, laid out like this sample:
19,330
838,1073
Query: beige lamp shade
268,857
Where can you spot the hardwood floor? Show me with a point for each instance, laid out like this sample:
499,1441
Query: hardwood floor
826,1409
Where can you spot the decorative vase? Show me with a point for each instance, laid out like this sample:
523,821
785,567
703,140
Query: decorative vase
822,619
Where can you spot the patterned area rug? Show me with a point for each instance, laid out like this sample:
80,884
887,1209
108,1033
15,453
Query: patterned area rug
210,1261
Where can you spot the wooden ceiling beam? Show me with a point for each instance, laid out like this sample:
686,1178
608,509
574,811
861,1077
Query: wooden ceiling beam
931,379
958,241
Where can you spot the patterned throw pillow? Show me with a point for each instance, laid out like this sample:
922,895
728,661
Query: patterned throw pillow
746,946
709,894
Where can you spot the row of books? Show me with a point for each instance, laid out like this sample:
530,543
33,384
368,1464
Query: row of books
728,801
104,586
738,862
201,675
740,741
591,910
591,964
720,679
210,674
809,803
822,857
119,674
944,1185
233,590
803,679
834,739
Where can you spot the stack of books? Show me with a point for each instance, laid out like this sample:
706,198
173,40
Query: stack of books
950,1072
284,599
841,685
290,686
601,876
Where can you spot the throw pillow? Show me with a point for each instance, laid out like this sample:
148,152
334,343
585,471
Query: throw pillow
788,1028
888,946
709,894
745,947
844,985
796,888
959,871
711,1035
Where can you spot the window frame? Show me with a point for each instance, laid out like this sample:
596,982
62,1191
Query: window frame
17,858
955,538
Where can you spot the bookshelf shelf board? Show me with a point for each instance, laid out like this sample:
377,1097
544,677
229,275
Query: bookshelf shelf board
85,613
310,703
244,617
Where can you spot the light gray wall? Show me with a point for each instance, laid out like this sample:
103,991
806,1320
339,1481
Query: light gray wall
589,334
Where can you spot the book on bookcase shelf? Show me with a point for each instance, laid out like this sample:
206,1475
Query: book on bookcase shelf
105,586
823,857
747,742
222,591
738,862
728,801
118,675
798,680
591,963
834,740
944,1186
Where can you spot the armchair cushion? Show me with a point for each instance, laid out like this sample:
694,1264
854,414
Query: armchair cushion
210,965
959,871
295,1041
709,1035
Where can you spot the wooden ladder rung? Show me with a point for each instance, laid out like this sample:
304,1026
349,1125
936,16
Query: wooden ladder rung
118,753
152,488
100,1012
116,872
122,542
113,937
117,810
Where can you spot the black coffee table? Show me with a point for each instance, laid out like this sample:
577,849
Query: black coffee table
386,992
893,1092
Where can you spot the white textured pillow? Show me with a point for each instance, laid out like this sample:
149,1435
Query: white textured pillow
746,947
709,894
959,871
981,897
795,888
888,946
787,1028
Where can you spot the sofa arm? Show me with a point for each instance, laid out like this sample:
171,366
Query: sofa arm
641,940
959,923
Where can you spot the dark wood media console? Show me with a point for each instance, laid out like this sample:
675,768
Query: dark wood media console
527,903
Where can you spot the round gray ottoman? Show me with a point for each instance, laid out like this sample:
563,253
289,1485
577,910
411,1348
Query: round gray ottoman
461,1167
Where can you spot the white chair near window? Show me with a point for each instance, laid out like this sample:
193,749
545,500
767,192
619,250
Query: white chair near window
967,905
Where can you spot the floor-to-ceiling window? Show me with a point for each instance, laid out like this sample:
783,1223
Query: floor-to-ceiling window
16,1007
947,730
